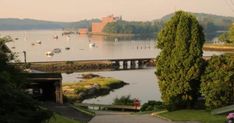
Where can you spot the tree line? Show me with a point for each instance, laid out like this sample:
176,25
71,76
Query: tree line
125,27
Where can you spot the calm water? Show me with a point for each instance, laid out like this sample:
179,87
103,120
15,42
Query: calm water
79,46
143,83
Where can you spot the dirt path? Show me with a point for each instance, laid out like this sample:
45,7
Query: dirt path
123,117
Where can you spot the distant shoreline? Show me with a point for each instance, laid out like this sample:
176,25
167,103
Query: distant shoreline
218,47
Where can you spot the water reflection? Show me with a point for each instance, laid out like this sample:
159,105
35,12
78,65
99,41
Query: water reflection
77,47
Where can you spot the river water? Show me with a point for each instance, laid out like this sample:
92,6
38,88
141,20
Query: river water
142,83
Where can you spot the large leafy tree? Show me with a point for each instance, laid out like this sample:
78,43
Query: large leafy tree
180,61
15,105
218,81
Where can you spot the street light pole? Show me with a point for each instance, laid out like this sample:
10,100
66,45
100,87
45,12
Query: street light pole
25,62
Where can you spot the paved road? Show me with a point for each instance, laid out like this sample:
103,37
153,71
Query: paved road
123,117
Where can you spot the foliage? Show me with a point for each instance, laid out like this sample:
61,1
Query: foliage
228,37
15,105
152,106
179,64
218,81
123,100
194,115
125,27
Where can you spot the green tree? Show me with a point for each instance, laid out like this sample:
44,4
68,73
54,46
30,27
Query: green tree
179,64
218,81
228,37
15,105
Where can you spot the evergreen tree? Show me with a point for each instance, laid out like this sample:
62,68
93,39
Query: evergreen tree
180,61
218,81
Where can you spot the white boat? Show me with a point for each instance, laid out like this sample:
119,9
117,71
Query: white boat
55,36
38,42
92,44
116,40
49,53
57,50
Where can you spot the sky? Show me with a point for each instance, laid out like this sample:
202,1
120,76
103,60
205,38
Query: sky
138,10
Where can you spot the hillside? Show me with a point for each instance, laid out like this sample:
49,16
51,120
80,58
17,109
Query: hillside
28,24
213,25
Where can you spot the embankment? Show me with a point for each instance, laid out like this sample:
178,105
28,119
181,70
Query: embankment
91,87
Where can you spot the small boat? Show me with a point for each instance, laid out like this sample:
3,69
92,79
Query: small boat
49,53
92,44
67,48
55,36
68,38
57,50
116,40
38,42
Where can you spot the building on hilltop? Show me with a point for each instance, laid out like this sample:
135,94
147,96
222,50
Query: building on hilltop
98,26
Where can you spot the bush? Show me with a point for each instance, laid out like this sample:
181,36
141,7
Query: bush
123,100
152,106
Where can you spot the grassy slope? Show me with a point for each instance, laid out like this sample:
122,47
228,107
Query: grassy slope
87,83
194,115
61,119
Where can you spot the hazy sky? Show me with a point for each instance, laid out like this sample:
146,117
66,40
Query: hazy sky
73,10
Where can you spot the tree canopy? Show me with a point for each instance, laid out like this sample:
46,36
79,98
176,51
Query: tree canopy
125,27
227,37
15,105
218,81
179,64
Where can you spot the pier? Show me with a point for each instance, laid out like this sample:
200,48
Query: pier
93,65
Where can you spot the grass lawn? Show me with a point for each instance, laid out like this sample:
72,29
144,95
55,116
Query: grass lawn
61,119
194,115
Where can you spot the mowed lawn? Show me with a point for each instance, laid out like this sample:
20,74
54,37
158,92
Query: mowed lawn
194,115
61,119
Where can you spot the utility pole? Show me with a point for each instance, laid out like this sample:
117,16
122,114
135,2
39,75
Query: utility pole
25,62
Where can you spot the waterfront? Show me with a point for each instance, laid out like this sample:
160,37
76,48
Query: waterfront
105,48
143,83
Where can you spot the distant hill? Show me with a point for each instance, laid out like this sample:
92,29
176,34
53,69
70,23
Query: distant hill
29,24
213,25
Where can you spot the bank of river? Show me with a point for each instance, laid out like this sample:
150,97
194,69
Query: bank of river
91,86
142,85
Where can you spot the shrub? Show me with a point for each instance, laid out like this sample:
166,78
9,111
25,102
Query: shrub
123,100
152,106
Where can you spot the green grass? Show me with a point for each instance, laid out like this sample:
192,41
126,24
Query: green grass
61,119
76,87
193,115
